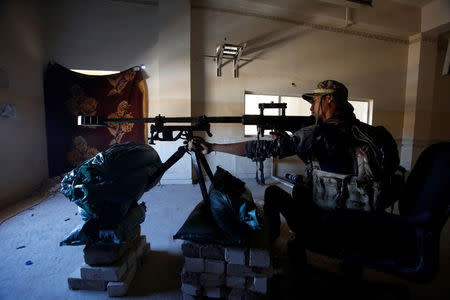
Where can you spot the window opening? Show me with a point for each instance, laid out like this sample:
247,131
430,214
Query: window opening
296,106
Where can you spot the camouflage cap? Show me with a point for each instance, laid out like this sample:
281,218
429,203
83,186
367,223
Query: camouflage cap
333,87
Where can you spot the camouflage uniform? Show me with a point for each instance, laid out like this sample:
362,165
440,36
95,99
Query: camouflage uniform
330,142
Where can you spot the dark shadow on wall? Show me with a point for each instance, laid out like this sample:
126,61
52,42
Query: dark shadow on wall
160,272
258,46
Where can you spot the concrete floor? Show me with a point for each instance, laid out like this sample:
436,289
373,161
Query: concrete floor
34,235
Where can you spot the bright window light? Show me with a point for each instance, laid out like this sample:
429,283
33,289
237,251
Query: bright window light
94,72
296,106
251,108
363,110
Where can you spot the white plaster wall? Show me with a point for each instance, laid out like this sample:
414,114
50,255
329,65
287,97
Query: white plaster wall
174,79
411,91
440,123
23,153
284,53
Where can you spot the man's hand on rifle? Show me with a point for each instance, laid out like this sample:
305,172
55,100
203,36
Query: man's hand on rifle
276,134
199,144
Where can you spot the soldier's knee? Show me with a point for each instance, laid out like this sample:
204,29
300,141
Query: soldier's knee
271,191
270,196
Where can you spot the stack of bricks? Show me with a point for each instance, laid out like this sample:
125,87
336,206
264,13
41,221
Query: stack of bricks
111,268
217,271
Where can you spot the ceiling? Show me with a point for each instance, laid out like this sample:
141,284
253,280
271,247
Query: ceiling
418,3
290,3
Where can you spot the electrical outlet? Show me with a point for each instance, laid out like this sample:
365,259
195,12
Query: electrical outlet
7,111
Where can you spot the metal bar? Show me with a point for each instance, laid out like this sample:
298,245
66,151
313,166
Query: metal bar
206,166
285,182
200,177
243,59
227,119
168,163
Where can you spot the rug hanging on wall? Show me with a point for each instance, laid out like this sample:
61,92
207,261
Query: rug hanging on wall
69,94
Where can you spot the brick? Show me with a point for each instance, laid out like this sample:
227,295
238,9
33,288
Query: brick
188,297
235,282
118,289
259,285
191,289
259,258
114,272
192,264
260,238
214,266
247,271
262,272
213,252
236,294
141,246
239,270
192,278
97,255
235,255
77,283
249,295
212,280
110,273
190,249
215,292
132,259
147,249
243,294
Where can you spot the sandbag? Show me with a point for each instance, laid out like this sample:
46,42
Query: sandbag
201,228
84,234
227,219
92,231
134,217
232,206
106,185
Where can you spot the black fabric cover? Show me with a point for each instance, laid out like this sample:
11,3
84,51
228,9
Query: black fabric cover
200,227
106,185
232,206
428,185
92,232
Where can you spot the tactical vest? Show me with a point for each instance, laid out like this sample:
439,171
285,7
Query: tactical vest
361,190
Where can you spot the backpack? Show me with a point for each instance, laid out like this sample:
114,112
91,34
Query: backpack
369,188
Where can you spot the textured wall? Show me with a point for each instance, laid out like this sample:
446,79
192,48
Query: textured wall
283,53
23,156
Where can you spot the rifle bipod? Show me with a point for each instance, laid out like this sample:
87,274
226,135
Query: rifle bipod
198,159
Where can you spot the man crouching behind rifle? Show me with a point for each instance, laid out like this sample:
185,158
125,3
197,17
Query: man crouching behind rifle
355,160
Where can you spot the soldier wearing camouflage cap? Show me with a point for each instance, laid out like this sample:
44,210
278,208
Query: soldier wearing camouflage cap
329,97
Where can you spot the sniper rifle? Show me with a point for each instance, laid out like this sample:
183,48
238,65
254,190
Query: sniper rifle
160,131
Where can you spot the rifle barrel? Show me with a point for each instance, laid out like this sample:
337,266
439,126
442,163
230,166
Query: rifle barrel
177,120
264,121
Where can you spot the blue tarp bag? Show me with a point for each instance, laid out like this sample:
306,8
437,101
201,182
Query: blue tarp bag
106,185
227,219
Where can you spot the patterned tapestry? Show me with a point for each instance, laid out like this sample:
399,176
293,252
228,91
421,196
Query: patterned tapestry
69,94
